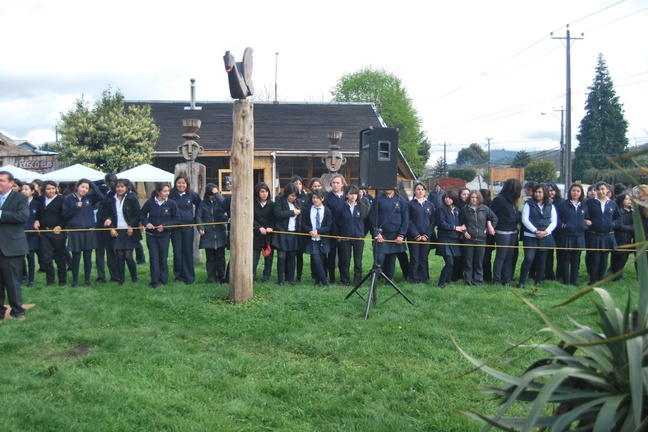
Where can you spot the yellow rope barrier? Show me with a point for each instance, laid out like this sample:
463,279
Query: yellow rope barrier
624,248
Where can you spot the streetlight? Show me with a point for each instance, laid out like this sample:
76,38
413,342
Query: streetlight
563,160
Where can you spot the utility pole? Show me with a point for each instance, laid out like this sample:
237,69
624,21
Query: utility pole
568,132
275,98
445,159
489,161
563,164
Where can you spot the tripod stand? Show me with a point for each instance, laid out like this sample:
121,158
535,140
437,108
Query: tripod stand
376,273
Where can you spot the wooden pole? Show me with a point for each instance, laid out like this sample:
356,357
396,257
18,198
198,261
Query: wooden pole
241,281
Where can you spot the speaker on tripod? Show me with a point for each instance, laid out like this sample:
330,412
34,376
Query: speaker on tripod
378,170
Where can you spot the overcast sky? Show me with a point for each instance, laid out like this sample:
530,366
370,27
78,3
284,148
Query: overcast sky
473,69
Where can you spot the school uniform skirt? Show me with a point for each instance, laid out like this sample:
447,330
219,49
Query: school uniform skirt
597,240
79,241
123,241
571,242
286,242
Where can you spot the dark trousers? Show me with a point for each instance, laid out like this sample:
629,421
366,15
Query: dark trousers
568,266
457,268
488,258
418,262
318,267
215,264
503,265
403,262
473,263
531,256
267,264
104,254
299,264
446,272
329,264
387,262
52,249
346,247
139,253
125,258
598,266
158,249
10,271
76,265
29,269
286,266
182,240
618,261
549,266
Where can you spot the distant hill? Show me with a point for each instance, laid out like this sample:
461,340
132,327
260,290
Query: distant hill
504,158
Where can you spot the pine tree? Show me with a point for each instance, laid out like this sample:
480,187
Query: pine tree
522,159
604,127
440,170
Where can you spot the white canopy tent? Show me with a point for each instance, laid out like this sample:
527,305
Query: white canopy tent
20,173
74,173
146,173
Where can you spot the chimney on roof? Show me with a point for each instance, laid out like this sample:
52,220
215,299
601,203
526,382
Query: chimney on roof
193,106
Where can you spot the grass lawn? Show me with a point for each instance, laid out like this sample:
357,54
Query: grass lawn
291,359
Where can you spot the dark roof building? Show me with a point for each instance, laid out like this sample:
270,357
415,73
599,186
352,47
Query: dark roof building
289,138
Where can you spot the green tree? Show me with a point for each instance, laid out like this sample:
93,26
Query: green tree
440,170
604,127
522,158
466,174
472,155
387,93
540,171
108,136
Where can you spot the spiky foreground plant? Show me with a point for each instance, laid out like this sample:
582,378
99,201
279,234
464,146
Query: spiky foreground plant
590,381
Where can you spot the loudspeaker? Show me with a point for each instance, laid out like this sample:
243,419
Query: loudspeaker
378,158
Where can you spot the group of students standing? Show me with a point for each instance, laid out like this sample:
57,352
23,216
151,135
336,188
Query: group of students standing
105,218
465,228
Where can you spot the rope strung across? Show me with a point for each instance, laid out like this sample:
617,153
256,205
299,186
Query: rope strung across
625,248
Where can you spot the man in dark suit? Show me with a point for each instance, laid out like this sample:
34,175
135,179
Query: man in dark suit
14,212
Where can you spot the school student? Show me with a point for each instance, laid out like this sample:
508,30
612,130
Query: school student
159,212
449,231
317,221
50,221
350,224
624,235
539,220
263,226
287,222
78,212
571,229
124,219
603,213
182,237
420,234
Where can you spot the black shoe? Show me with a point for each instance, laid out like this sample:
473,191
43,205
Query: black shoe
538,284
520,285
154,285
75,284
100,281
441,286
31,284
88,283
